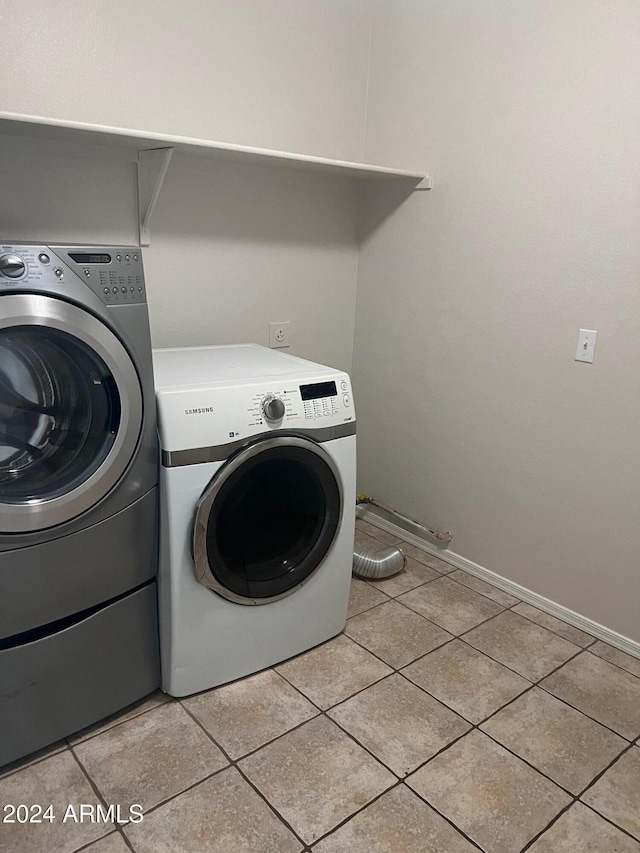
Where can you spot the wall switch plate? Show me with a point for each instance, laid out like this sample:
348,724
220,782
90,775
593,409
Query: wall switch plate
586,345
280,334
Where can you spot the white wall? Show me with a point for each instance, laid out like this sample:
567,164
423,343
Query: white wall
236,247
283,74
473,415
57,192
233,247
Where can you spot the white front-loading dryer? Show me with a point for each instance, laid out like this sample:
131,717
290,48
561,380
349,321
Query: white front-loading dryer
258,482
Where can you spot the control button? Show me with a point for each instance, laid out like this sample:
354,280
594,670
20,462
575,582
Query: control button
87,273
309,417
139,290
12,266
124,289
346,399
118,258
59,272
135,258
272,408
318,414
132,289
344,386
44,258
114,290
106,291
127,258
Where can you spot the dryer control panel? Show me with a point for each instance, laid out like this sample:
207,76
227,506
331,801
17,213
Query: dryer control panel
302,405
196,416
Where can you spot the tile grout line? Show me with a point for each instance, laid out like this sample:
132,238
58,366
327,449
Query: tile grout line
610,822
98,840
400,780
574,797
95,789
404,665
69,744
528,689
539,685
588,716
593,641
451,638
118,831
324,713
617,666
533,621
115,724
627,748
6,774
376,758
472,727
235,764
634,743
206,778
505,607
557,817
482,622
476,727
399,783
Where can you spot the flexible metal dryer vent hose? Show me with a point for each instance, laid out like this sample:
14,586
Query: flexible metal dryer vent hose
377,565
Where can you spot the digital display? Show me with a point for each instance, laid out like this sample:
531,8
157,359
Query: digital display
317,390
86,258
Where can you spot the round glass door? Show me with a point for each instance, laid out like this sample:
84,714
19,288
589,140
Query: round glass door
267,520
66,432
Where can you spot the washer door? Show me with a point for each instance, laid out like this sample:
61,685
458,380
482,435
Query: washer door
70,411
267,519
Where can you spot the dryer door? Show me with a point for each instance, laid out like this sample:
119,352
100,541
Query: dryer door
70,411
267,520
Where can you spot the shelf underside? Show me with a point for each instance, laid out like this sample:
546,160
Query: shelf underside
34,126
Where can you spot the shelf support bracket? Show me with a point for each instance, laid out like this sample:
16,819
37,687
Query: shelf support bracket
152,169
425,184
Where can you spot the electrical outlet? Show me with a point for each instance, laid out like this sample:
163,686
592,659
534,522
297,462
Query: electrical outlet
280,334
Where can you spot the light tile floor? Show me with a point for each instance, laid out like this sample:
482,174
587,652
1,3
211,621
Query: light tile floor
449,717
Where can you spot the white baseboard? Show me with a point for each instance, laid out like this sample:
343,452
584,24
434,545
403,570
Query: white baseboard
621,642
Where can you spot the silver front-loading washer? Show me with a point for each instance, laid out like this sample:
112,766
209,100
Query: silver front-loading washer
78,491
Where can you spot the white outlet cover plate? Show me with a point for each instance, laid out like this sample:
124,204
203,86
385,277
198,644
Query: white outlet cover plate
280,334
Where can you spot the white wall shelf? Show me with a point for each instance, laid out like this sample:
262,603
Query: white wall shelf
154,152
46,128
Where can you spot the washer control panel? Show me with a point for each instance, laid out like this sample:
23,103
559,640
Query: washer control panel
114,274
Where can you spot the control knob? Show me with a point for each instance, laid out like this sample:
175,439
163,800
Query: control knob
272,408
12,266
